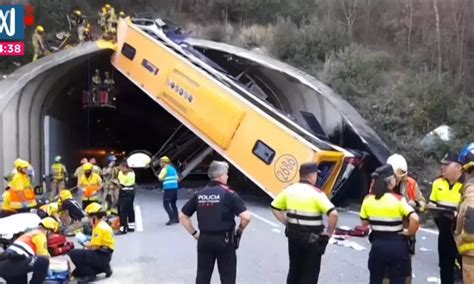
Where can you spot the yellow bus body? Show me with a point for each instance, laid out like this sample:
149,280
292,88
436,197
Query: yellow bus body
226,121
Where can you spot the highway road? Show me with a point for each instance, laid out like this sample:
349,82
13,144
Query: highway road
157,253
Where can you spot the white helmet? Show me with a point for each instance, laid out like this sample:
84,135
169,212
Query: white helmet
398,163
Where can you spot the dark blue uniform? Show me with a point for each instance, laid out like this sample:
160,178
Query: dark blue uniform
216,206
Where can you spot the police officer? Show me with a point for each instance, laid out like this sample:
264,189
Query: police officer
384,211
96,256
126,178
446,195
305,205
216,205
28,253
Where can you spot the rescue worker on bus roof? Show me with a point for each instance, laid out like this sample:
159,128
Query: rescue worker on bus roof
28,253
170,179
126,178
90,184
96,256
22,196
39,48
216,205
80,23
384,211
59,177
464,233
446,195
305,205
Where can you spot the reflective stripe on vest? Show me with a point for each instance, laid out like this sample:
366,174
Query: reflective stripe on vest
20,197
24,244
465,248
304,218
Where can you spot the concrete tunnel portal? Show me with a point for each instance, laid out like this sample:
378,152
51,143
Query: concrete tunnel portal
42,114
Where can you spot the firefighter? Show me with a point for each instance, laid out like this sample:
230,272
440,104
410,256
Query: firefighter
102,19
111,18
39,48
446,195
216,205
95,168
88,34
96,256
126,178
111,185
169,177
464,233
49,210
389,250
28,253
305,205
80,23
90,184
70,211
109,82
406,185
22,196
59,177
7,210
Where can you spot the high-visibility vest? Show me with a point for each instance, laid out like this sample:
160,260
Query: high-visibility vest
21,192
58,171
170,182
411,186
91,186
24,244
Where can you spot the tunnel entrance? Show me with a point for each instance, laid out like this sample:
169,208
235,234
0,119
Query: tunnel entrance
135,130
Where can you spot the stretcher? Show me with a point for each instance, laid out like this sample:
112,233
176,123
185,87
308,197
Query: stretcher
59,270
13,226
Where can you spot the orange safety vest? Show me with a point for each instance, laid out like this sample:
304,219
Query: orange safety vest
24,244
91,191
23,194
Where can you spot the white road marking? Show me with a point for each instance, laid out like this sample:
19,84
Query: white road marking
265,220
430,231
138,219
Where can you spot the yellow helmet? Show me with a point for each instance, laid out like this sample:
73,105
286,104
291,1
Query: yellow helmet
87,167
39,29
53,208
107,6
65,194
165,159
77,13
19,163
86,30
122,14
93,208
50,224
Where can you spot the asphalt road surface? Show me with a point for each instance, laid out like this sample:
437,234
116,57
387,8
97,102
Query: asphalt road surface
157,253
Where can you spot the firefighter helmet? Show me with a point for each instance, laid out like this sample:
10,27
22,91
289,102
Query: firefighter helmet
50,224
93,208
